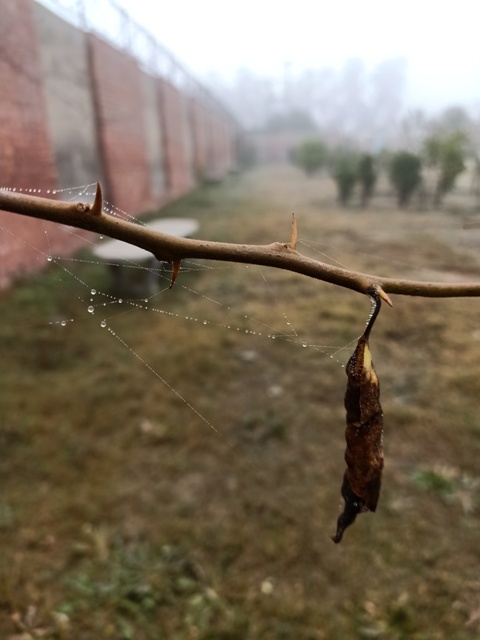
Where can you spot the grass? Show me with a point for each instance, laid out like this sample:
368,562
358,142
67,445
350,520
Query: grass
126,514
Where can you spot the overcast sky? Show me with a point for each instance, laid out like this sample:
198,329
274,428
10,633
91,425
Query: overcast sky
439,39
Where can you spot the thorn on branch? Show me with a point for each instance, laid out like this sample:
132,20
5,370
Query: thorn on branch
384,296
175,271
96,209
282,255
294,236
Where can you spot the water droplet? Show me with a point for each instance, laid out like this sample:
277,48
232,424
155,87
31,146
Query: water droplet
103,324
49,258
120,301
63,323
304,345
93,292
91,309
204,322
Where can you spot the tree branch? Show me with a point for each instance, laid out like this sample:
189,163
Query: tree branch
173,249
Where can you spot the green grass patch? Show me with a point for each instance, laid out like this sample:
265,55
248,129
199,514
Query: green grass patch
176,474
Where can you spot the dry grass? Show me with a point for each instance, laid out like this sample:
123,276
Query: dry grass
125,514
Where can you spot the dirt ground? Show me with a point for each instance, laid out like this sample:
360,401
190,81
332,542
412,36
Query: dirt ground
176,474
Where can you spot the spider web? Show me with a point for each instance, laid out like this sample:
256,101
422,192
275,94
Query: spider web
101,309
103,306
267,407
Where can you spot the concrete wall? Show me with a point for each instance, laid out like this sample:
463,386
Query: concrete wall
69,101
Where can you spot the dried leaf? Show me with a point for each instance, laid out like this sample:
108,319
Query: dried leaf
364,433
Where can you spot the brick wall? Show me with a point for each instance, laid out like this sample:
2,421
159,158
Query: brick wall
26,155
177,139
74,110
217,153
118,95
154,137
199,119
213,142
70,110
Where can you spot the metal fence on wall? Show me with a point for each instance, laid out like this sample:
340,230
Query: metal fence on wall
109,20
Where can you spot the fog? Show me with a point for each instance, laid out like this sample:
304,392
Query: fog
370,71
428,47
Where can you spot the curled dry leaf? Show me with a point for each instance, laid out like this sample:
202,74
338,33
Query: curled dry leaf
364,433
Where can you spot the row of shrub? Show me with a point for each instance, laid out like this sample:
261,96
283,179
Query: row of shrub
445,154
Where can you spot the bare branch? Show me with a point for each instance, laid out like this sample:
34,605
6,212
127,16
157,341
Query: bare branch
173,249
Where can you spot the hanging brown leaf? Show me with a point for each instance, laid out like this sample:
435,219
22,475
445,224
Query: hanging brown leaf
364,433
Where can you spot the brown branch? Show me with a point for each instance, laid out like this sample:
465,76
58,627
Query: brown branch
173,249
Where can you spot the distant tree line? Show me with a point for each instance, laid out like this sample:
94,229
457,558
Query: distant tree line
444,154
354,101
